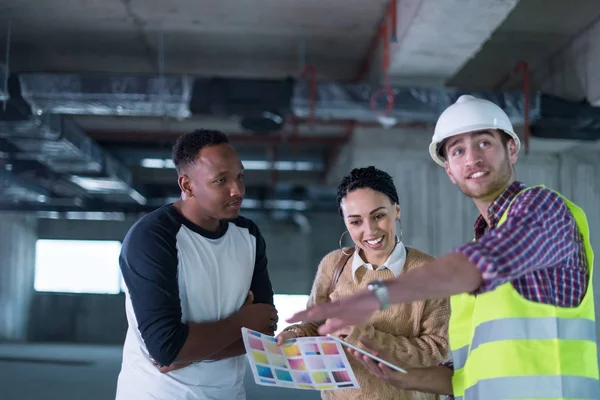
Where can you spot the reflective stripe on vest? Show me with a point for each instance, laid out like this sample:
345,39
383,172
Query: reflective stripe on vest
524,329
534,329
459,357
538,387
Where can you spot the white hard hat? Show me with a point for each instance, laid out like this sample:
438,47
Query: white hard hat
469,114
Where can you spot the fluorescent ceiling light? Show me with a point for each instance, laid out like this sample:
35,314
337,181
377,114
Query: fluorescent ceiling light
95,215
157,163
82,215
99,184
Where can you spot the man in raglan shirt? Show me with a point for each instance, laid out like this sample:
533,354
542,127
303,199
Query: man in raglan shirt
196,273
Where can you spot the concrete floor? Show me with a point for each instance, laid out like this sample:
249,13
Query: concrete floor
65,372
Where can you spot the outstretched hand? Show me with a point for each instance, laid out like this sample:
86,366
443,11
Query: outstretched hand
348,311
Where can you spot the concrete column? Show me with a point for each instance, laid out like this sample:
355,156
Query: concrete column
17,267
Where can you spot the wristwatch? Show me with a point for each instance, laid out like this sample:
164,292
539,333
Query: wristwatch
379,287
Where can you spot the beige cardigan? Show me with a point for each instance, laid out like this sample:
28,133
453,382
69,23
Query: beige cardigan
415,334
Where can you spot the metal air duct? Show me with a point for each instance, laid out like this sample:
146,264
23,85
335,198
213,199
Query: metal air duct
54,141
59,144
367,103
105,94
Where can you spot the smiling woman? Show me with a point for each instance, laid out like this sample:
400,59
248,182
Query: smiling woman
414,333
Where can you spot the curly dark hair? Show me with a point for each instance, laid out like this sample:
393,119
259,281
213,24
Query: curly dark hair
189,144
369,177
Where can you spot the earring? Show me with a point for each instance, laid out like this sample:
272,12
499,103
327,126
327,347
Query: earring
340,243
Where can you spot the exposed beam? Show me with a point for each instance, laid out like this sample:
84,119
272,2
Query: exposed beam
435,38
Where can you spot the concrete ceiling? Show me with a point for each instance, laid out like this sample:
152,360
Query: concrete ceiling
269,38
467,44
532,32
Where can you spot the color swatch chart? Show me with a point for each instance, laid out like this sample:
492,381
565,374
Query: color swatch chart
316,363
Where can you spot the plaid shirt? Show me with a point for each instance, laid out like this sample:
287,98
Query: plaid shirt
538,249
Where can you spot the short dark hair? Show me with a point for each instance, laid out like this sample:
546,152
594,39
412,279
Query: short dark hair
368,177
185,150
441,150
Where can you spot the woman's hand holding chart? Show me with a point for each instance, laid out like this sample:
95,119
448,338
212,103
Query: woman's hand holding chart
370,357
436,379
370,351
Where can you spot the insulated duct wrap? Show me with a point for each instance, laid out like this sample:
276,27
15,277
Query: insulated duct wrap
55,142
337,101
114,184
14,188
103,94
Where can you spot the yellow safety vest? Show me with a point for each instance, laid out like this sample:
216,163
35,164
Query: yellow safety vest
507,347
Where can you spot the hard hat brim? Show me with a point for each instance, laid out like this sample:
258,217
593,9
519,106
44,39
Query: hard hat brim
433,146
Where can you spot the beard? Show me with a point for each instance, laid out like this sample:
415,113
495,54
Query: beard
496,182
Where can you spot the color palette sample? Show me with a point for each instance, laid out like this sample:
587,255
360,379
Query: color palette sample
311,363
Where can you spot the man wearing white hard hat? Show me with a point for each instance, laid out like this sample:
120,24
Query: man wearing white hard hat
522,322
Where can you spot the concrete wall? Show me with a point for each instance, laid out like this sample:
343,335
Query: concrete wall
17,264
572,72
436,216
85,318
78,318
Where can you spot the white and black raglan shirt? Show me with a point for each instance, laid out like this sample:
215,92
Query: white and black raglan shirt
175,273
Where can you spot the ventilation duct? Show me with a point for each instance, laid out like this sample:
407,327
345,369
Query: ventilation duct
563,119
113,185
55,142
14,188
104,94
366,103
262,104
59,144
550,117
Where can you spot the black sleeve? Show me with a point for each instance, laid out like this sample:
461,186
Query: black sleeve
261,282
148,263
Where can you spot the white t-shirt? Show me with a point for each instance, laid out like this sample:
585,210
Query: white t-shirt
176,272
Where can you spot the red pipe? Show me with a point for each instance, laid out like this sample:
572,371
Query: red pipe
387,89
524,66
391,16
